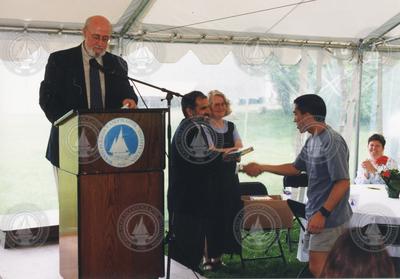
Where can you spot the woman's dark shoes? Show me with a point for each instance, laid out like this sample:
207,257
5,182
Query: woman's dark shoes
217,264
208,266
212,265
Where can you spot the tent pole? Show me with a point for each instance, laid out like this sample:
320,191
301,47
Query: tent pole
379,112
120,46
360,62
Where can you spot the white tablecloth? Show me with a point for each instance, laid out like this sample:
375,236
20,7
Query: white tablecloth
370,204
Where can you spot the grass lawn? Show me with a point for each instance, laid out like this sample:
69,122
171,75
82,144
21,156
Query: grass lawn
266,268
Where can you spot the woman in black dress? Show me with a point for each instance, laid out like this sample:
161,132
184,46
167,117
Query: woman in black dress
220,237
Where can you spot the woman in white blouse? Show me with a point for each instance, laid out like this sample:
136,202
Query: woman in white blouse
369,170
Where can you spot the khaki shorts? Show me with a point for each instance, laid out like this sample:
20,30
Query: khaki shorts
323,241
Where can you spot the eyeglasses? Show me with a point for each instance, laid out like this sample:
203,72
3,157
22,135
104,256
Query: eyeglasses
97,37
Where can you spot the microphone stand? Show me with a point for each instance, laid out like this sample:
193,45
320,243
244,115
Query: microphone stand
169,95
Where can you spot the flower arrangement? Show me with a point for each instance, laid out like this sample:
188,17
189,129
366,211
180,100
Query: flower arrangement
390,176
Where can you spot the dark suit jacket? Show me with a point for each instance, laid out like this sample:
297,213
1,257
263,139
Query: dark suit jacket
64,89
191,191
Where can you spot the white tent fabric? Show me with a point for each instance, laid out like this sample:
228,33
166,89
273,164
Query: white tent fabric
327,19
321,19
261,28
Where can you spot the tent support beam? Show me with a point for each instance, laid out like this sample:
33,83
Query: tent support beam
377,35
360,62
212,39
133,17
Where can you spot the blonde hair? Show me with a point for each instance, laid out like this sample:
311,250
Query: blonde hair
214,93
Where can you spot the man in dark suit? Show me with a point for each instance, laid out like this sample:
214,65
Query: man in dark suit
73,82
192,182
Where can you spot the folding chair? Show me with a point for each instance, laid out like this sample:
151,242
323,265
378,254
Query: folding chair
264,219
295,181
252,189
299,211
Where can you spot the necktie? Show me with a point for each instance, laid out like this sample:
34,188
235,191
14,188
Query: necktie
96,101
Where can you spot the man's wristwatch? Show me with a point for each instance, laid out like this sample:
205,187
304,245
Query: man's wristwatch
325,212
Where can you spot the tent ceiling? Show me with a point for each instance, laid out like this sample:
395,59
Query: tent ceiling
340,21
58,14
395,32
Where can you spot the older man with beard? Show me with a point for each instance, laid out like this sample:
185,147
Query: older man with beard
73,81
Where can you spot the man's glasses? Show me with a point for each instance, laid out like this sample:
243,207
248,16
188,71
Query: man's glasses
97,37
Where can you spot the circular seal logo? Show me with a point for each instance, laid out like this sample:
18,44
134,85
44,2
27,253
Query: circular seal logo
253,56
254,227
196,141
322,148
27,225
142,56
25,55
121,142
82,137
140,227
374,230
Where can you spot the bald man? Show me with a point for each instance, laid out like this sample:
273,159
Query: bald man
70,82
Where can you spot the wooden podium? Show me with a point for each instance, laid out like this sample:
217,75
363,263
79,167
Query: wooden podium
111,194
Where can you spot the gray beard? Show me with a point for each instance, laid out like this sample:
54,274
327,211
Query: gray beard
93,54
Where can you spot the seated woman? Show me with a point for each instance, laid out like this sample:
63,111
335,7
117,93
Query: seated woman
220,238
369,170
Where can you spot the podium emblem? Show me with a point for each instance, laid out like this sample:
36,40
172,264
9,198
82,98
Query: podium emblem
121,142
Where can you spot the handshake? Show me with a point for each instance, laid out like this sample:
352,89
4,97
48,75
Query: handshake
252,169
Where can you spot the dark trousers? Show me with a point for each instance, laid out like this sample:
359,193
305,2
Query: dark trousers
187,246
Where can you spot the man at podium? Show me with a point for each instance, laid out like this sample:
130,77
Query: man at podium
193,179
73,80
